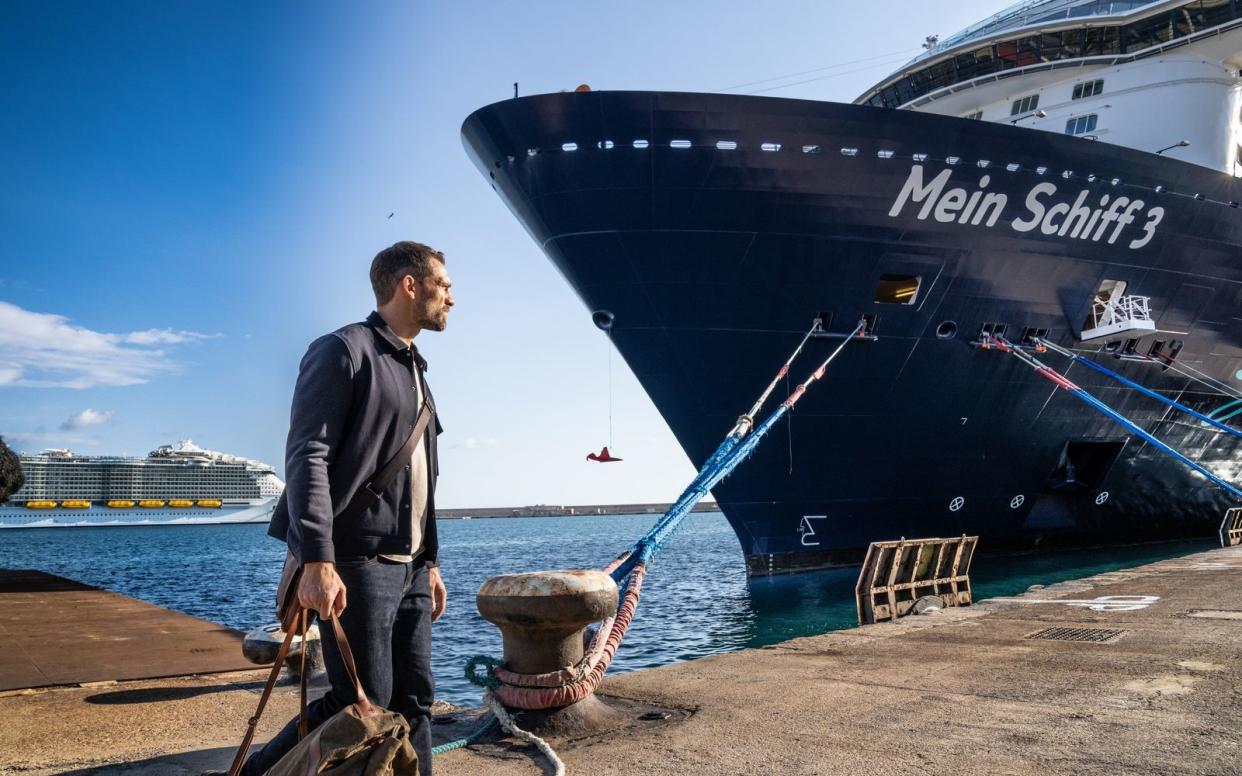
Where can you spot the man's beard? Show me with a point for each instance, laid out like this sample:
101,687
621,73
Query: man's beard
437,323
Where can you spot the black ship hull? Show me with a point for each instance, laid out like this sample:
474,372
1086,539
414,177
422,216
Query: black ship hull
733,222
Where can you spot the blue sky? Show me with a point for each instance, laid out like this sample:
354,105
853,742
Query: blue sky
193,191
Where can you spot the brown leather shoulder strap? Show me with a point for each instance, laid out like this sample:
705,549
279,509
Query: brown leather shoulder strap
373,488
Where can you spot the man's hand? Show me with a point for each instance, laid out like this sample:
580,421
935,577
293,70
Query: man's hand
321,589
439,595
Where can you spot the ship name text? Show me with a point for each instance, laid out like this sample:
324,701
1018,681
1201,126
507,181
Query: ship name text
1082,218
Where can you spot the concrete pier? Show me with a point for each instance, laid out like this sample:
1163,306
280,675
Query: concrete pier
960,691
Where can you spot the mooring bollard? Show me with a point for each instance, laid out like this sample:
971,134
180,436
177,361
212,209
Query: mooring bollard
542,616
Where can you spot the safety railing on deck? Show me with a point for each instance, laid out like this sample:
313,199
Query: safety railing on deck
1231,528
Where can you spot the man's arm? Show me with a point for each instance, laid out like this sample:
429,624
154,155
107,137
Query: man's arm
317,419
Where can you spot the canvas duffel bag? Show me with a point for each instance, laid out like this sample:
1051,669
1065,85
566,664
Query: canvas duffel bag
361,739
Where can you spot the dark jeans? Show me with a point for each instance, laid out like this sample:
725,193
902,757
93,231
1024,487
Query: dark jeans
387,621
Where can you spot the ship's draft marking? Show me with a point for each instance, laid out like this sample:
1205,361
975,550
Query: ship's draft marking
807,530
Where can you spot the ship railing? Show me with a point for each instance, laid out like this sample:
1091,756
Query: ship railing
908,575
1118,314
1231,528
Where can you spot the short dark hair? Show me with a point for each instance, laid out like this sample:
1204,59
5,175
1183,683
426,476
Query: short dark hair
11,478
397,261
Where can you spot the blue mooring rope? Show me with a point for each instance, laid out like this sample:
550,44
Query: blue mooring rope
1147,391
1117,417
461,743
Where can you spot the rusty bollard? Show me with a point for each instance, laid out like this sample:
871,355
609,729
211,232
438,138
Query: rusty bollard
542,616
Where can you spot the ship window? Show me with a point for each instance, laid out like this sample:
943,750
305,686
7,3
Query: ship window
1088,89
946,330
994,329
569,146
976,116
1024,105
869,321
1131,347
849,152
1081,125
824,320
726,145
884,154
1156,349
770,146
812,149
679,144
952,160
641,144
897,289
1031,334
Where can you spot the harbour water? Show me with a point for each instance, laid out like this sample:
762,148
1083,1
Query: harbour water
696,601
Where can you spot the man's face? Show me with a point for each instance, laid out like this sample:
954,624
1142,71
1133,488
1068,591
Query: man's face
435,298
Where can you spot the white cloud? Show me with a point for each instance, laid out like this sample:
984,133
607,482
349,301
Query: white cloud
87,418
32,441
163,337
42,350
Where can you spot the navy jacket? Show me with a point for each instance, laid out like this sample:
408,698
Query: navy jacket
354,406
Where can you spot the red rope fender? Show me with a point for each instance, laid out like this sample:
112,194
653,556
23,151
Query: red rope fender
537,691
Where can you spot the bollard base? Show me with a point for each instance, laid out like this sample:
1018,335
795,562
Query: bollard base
588,716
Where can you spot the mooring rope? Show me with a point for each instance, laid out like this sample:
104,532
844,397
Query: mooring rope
506,721
505,688
1140,388
1064,383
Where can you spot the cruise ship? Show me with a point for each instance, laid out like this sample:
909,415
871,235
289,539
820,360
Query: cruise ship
180,484
1061,176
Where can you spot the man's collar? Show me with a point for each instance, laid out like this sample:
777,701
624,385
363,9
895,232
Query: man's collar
381,327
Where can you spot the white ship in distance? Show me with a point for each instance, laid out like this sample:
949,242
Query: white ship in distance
179,484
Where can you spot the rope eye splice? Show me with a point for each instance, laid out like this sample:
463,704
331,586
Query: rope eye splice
999,343
506,689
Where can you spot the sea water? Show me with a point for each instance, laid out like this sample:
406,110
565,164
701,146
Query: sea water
696,600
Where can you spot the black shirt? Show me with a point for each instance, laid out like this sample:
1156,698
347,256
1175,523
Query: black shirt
354,406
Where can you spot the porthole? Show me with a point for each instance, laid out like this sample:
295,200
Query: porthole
946,330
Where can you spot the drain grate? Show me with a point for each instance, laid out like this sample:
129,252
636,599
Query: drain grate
1092,635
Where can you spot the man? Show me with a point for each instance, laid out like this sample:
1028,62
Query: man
359,394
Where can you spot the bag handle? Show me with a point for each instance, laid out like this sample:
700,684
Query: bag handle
293,622
297,621
365,707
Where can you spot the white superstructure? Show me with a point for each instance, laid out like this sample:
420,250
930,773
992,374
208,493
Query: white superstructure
180,483
1161,77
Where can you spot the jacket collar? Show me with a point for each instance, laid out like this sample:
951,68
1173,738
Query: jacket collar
385,332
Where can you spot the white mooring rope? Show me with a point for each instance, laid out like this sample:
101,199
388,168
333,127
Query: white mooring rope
506,721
